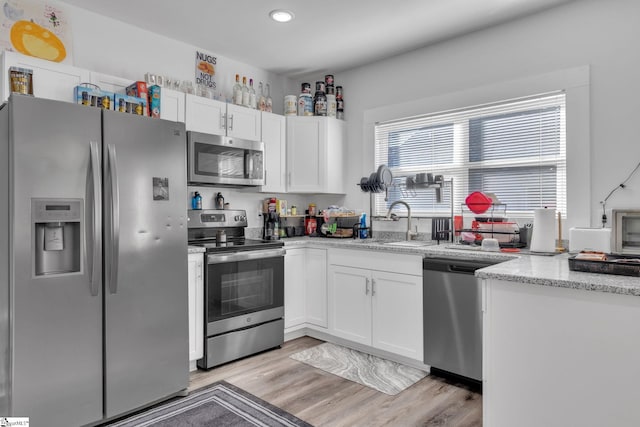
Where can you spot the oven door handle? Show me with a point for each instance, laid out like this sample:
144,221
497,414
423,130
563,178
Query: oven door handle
244,256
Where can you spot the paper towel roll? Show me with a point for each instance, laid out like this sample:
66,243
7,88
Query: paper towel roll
543,237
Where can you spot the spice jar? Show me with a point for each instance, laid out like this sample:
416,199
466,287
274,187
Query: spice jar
312,209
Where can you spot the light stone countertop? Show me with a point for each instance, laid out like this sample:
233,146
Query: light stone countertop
554,271
195,249
522,268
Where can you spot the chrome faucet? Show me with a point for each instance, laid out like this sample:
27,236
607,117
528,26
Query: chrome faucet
410,234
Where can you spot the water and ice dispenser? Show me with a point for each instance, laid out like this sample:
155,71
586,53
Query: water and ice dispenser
57,225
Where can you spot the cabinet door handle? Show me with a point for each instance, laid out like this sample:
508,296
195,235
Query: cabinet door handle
223,121
289,179
373,287
231,122
366,287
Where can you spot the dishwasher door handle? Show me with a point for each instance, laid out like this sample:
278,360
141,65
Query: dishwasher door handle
465,269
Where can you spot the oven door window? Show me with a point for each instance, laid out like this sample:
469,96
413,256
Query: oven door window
215,160
243,287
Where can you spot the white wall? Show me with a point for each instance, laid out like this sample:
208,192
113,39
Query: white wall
113,47
594,33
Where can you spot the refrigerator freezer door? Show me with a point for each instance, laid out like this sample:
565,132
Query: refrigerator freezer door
57,318
146,317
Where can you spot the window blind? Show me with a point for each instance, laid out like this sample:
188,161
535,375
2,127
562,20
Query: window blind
515,149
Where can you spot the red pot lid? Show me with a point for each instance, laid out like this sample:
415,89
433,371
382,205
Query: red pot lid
478,202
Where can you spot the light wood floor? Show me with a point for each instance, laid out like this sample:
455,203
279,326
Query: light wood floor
323,399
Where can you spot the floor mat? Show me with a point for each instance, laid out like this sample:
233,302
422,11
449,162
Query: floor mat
372,371
221,404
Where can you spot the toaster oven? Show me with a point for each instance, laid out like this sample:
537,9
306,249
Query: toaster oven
625,232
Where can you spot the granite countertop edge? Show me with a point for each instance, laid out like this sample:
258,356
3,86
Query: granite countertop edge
524,269
195,249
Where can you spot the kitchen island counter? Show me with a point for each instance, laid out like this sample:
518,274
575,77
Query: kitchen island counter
554,271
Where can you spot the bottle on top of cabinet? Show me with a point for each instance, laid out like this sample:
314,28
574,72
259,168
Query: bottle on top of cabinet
237,91
262,101
253,102
269,101
320,100
245,93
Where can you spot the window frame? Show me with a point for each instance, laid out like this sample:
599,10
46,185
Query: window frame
459,169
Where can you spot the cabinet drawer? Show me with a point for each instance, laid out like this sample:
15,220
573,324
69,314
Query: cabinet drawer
378,261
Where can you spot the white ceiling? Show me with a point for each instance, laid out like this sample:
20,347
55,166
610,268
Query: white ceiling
325,36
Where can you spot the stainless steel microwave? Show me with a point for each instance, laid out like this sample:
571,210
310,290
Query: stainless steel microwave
625,232
222,160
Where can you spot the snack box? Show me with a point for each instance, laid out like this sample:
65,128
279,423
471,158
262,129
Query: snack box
138,89
93,96
130,104
154,101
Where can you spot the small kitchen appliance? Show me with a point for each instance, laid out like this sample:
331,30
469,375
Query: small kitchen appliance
221,160
625,232
244,287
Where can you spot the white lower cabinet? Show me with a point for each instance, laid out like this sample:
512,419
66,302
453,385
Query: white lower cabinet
305,287
382,309
294,288
316,297
196,306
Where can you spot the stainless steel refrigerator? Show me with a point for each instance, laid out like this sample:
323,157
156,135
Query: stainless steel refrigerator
93,265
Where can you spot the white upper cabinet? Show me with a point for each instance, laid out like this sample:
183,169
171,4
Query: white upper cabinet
315,154
219,118
172,105
243,122
110,83
51,80
274,138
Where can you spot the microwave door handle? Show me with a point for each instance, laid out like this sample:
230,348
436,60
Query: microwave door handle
249,165
96,186
115,220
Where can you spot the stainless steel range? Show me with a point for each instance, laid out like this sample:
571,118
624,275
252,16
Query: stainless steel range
244,287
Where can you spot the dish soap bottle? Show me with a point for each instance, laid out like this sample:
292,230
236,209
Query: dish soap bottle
196,201
363,226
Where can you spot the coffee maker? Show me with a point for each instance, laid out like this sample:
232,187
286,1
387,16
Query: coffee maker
271,230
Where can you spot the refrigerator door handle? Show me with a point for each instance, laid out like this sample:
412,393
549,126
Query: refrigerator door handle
96,261
115,220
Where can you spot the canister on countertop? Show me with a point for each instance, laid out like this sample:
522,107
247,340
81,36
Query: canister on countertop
305,104
312,209
290,105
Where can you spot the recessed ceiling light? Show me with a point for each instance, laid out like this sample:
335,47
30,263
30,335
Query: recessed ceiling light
281,15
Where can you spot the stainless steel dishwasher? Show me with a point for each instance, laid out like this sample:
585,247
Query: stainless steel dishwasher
453,316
